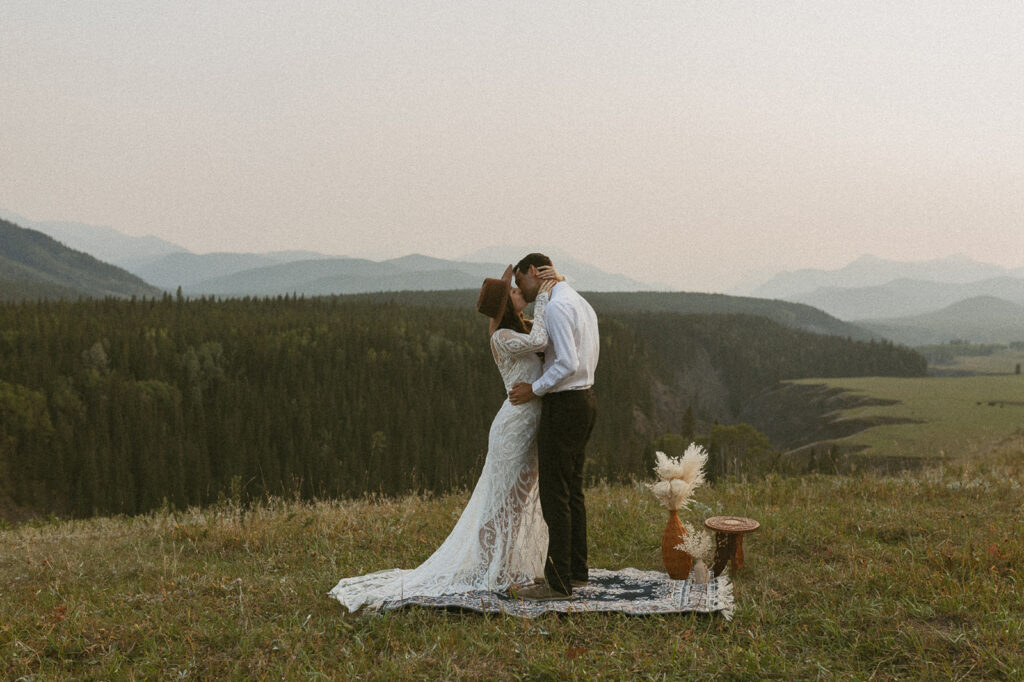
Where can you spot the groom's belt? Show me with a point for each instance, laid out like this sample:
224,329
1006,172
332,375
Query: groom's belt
570,391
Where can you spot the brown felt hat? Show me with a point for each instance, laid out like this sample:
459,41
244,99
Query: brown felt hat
493,297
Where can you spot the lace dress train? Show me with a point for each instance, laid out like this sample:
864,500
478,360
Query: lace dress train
500,539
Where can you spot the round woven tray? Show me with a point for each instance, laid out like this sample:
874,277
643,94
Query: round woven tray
731,524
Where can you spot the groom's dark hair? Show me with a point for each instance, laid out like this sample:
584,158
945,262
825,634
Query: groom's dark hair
534,259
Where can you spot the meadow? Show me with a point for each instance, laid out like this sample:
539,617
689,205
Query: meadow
1000,361
948,416
914,575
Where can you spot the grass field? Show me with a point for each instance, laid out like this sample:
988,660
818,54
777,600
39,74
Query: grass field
1003,361
955,416
916,575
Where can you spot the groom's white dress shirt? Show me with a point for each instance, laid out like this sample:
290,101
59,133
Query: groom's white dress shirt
570,357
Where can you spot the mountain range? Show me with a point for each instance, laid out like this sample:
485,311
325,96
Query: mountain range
924,302
60,272
871,271
234,274
907,297
897,300
168,266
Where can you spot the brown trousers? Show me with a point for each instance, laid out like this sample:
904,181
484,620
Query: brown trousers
567,418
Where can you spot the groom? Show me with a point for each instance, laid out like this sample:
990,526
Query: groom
567,418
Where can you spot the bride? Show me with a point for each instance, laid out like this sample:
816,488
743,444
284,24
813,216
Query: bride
501,539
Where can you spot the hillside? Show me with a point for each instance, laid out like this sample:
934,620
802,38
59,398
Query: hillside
983,319
103,243
34,265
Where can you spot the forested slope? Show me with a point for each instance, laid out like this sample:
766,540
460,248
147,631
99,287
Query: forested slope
113,406
786,313
34,265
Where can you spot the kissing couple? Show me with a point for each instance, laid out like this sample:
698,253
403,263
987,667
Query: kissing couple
525,524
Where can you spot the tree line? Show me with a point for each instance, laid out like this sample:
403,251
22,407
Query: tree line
122,406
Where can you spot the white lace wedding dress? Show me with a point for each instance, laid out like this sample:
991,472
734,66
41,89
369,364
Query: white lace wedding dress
501,538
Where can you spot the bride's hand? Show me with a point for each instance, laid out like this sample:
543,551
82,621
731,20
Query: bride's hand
546,286
548,272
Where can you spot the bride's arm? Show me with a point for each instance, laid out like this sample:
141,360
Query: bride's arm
515,343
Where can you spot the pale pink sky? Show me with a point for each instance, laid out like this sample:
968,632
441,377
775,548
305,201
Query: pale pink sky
694,143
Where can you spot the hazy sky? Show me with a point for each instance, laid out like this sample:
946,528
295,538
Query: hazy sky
694,144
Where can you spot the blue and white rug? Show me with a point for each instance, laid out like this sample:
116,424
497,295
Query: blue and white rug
629,590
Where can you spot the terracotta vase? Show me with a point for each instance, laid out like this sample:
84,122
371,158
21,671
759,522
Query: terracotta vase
677,562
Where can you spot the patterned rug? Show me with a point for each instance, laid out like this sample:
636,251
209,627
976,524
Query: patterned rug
629,591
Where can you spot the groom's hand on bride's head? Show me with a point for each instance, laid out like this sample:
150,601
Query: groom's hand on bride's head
548,273
521,393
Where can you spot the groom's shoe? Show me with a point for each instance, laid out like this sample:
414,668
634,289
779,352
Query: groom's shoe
541,592
574,582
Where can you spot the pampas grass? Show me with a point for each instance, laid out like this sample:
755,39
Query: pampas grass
679,476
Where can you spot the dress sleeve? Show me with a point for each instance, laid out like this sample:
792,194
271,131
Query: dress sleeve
513,343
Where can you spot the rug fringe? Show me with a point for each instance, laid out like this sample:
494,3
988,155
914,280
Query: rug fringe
628,590
726,594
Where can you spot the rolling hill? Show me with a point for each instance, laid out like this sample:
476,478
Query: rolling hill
982,319
34,265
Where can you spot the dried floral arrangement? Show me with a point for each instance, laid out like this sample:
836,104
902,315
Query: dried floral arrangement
679,476
698,544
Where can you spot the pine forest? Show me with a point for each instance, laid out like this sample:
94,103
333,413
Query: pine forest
112,406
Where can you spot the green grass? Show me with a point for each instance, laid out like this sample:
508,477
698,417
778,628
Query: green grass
954,416
1003,361
915,575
